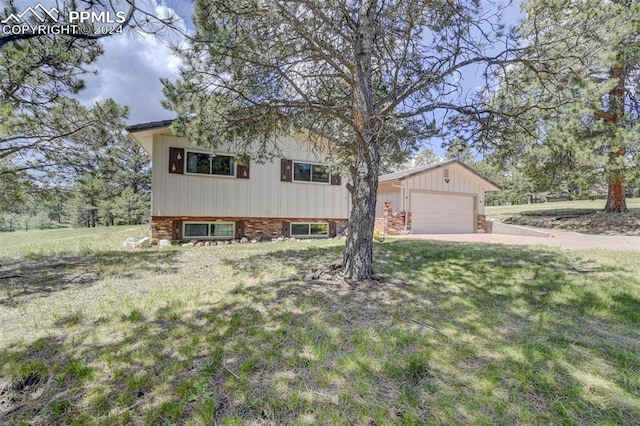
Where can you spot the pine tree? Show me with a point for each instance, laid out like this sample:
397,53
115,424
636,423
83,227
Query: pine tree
573,100
364,76
113,186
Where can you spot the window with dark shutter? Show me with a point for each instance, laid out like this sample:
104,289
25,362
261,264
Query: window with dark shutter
336,179
286,170
310,172
176,160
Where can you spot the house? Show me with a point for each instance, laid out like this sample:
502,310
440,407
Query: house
440,198
197,194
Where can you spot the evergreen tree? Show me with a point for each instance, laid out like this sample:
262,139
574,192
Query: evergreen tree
113,186
44,131
426,157
363,76
573,101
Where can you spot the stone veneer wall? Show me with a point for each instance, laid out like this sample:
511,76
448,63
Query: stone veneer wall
393,223
254,227
481,222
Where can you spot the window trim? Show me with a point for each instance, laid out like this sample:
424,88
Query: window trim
234,163
293,173
308,235
208,223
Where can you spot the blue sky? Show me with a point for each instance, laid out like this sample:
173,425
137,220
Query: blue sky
131,68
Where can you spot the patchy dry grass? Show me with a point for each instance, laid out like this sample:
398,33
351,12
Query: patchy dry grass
580,216
447,334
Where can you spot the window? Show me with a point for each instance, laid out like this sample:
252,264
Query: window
309,229
210,164
306,172
209,230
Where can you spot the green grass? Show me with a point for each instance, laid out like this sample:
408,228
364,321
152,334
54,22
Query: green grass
446,334
581,216
595,205
38,243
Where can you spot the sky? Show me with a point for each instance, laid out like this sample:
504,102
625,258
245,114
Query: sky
131,68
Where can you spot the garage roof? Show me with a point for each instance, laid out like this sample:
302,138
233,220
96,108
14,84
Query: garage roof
404,174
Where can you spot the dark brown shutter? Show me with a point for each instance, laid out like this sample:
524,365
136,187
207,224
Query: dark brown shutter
176,230
176,160
242,172
239,229
286,170
336,179
286,226
332,229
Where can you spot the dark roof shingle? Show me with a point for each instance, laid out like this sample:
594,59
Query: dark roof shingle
149,126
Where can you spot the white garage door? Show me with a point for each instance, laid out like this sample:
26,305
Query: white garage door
441,214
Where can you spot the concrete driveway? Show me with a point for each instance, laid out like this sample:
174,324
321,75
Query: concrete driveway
564,239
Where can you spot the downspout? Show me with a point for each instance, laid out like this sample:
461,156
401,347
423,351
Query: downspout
403,198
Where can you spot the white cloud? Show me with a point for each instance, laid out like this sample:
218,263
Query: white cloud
129,72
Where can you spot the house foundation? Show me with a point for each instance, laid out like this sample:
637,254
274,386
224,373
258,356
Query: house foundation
260,228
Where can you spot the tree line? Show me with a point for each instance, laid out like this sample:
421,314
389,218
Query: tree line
111,187
62,162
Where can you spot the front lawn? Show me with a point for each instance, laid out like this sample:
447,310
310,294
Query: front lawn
246,334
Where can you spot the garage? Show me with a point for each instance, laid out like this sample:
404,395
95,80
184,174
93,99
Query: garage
442,198
442,213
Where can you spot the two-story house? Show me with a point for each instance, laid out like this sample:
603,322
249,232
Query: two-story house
199,194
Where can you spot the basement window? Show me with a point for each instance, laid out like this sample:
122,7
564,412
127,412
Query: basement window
309,229
209,230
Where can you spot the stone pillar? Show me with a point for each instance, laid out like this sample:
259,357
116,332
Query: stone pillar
481,222
387,210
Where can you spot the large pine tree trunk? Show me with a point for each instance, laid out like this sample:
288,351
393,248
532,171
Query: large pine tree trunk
358,252
616,199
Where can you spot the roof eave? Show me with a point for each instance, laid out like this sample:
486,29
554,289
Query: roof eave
494,187
143,133
151,125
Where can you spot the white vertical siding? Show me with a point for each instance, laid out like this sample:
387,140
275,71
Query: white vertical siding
262,195
461,181
480,203
387,192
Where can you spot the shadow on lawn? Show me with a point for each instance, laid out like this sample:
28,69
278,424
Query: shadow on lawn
447,333
43,275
